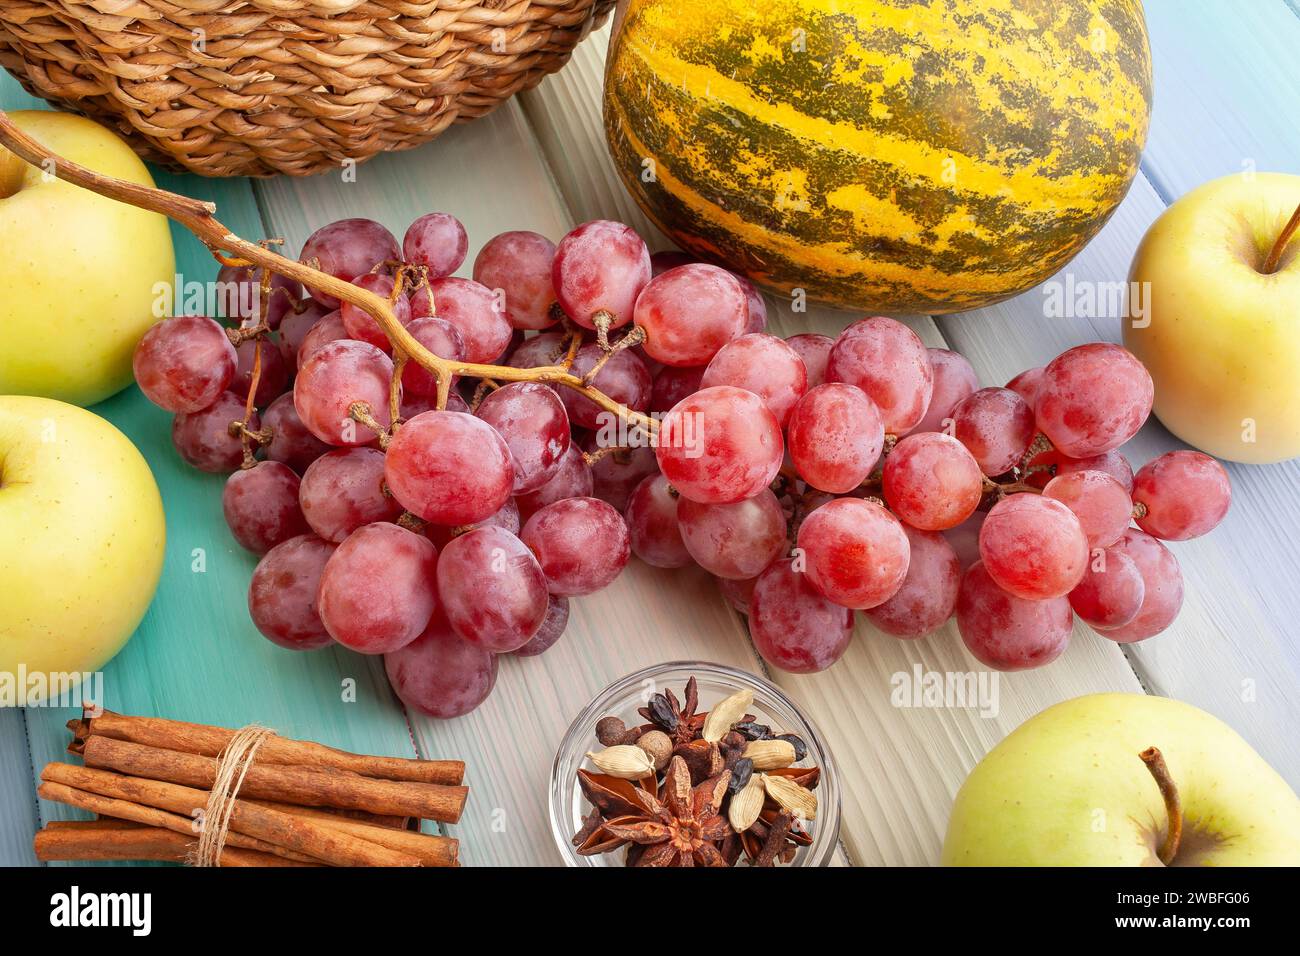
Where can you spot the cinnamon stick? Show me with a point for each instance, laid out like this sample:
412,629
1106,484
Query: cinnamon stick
304,835
139,815
209,741
432,850
93,840
287,784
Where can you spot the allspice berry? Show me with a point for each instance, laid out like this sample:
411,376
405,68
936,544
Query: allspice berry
658,745
610,731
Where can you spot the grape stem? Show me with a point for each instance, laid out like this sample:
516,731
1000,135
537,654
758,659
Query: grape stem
199,217
1155,763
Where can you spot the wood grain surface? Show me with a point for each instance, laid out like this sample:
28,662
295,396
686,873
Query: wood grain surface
1226,77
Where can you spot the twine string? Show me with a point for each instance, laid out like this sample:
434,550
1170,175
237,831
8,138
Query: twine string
232,765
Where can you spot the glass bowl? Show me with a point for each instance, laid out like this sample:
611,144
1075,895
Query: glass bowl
622,698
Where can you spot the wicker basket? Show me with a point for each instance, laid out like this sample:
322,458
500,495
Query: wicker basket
256,87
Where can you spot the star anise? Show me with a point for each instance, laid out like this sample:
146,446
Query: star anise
678,720
682,829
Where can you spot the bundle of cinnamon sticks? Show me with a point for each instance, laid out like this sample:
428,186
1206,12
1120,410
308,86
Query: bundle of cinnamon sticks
299,804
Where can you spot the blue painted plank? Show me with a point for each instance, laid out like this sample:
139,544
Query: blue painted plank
196,656
17,801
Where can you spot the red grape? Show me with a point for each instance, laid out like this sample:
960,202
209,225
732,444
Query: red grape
413,405
329,328
1026,384
449,468
344,490
690,313
616,474
440,674
815,351
856,552
291,442
260,505
507,519
887,360
836,436
600,267
996,425
624,378
739,593
552,629
756,308
295,327
1101,504
1093,398
581,543
203,438
473,310
545,349
1111,592
519,264
436,241
720,445
1162,582
1033,547
360,324
1185,493
954,381
1006,632
531,419
272,379
184,364
928,596
651,517
674,384
965,539
662,261
793,627
337,375
377,589
572,479
931,481
491,589
737,540
764,365
239,289
347,249
282,593
442,339
1111,462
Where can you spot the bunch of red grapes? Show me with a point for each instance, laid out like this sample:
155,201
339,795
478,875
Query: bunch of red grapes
812,476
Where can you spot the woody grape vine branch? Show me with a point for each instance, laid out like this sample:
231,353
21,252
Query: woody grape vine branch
199,218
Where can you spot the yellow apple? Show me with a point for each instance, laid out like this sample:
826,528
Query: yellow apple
81,537
1068,788
78,274
1220,336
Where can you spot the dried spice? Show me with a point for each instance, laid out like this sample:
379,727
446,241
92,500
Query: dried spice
691,788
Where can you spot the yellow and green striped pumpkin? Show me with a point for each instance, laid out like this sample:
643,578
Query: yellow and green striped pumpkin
894,155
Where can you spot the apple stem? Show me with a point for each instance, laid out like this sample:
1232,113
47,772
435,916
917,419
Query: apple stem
1155,762
1275,254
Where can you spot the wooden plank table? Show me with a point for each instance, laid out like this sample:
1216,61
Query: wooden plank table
1225,78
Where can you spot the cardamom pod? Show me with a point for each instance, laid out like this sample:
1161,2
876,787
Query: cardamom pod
625,761
727,712
746,804
770,754
790,796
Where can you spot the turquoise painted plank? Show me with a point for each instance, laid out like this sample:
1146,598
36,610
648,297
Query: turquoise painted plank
196,656
1226,88
17,802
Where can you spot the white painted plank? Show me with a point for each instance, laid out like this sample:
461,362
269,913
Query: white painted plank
492,175
1226,88
900,767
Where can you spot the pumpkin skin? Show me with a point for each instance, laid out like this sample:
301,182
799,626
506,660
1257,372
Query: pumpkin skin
925,156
